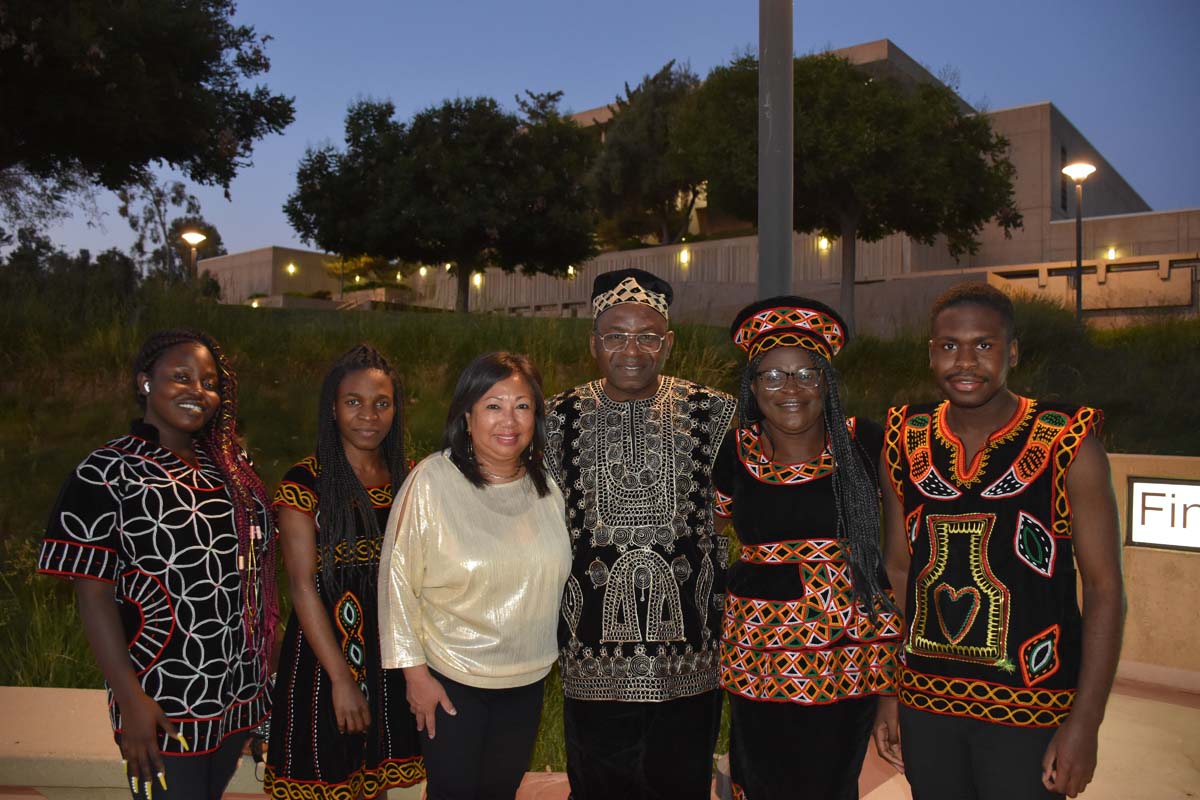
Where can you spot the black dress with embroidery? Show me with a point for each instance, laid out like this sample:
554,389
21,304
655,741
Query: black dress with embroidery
641,609
306,756
800,659
136,515
995,632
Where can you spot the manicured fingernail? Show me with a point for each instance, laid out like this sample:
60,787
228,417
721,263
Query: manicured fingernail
125,764
183,742
149,790
162,779
133,784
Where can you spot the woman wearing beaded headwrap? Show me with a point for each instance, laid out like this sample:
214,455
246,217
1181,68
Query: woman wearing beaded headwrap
348,732
168,536
810,636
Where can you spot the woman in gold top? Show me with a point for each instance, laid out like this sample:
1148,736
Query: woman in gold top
475,558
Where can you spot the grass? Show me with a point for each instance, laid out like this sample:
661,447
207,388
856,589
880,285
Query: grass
65,388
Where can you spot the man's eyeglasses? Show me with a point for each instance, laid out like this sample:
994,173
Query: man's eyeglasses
775,379
616,342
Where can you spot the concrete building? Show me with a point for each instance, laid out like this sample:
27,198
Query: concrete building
1136,261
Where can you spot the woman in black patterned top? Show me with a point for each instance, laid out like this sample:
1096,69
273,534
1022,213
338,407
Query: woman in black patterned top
168,536
343,729
810,637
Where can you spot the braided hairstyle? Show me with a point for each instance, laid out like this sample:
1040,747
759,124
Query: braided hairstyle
260,609
346,512
855,487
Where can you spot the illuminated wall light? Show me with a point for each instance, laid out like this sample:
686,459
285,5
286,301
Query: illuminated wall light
254,304
291,269
477,279
570,271
823,244
1112,252
423,272
358,278
447,268
685,256
399,276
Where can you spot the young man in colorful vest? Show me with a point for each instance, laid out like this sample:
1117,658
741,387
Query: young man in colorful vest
998,503
639,637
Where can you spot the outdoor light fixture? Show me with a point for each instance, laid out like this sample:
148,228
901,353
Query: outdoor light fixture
193,238
822,244
447,268
570,271
358,278
685,257
291,269
1112,253
254,304
398,276
1078,172
477,279
423,272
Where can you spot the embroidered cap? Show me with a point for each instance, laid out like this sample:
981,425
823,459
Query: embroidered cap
630,286
789,321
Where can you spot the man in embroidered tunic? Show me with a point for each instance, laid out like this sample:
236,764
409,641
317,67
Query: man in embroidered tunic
641,614
997,498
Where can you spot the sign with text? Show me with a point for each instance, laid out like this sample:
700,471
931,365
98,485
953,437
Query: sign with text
1164,512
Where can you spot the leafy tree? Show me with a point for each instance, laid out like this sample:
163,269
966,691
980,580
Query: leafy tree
94,92
872,157
76,286
462,183
146,206
643,185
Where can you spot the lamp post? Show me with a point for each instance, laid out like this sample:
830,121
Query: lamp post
1078,172
193,238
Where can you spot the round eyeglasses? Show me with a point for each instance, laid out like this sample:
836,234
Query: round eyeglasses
646,342
775,379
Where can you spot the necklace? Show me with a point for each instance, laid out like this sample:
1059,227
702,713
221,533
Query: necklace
505,478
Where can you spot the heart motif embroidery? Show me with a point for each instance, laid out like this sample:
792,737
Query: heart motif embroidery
957,604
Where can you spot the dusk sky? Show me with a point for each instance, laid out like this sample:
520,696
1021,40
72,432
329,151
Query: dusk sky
1124,73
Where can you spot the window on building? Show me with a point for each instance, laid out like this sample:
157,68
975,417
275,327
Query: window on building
1062,179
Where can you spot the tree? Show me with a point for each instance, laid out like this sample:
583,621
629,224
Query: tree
94,92
642,184
146,206
462,183
872,157
74,286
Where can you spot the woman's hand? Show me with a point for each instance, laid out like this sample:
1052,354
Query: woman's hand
350,708
141,718
425,693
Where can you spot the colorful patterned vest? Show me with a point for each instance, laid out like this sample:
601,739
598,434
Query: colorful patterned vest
994,628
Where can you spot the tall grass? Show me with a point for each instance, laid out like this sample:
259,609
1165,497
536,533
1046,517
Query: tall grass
65,388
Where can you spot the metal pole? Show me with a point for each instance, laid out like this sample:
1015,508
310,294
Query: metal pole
193,262
1079,251
775,143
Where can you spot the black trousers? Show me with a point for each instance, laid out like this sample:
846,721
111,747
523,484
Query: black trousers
642,751
956,758
482,752
198,777
788,750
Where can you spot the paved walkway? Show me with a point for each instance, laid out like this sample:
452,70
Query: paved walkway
1149,750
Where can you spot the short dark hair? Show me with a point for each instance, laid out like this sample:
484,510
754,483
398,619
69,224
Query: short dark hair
979,294
473,382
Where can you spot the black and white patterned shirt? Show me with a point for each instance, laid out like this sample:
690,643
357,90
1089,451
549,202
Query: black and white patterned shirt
161,530
641,613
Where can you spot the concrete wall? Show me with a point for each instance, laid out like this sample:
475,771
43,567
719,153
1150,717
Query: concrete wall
1162,587
264,272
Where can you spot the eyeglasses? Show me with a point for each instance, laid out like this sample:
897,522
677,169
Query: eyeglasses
616,342
775,379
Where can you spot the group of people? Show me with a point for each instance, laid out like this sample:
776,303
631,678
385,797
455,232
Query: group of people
430,602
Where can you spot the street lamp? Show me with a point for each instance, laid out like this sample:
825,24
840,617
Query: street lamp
1078,172
193,238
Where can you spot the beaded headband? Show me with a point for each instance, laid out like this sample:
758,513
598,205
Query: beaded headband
629,291
790,326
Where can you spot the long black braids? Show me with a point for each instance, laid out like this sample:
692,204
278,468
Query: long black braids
347,518
855,488
256,548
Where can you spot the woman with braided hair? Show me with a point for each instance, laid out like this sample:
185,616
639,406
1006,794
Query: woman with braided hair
347,731
168,537
811,634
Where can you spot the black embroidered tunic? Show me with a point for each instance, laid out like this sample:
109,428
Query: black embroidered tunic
641,613
307,756
161,530
994,630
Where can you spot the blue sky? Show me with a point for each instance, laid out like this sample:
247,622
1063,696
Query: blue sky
1124,73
